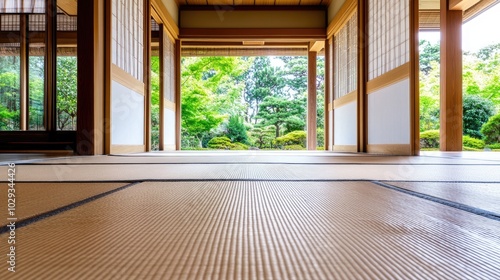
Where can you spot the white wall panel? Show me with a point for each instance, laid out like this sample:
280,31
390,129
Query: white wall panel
169,128
346,123
127,115
389,115
330,131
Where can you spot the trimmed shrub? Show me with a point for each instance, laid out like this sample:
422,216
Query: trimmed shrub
491,130
468,149
469,142
220,143
297,137
429,139
294,147
239,146
494,146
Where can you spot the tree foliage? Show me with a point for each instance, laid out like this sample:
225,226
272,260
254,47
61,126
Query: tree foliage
476,111
263,136
66,92
261,80
481,87
228,96
204,83
491,130
429,53
281,113
236,130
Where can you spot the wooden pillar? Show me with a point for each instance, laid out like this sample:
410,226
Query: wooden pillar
50,65
362,76
328,92
147,74
178,107
90,130
451,79
24,63
414,78
162,66
311,101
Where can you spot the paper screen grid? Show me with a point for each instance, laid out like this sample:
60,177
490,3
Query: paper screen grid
388,36
127,37
168,67
346,58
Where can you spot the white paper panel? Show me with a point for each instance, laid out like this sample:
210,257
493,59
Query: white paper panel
169,128
127,116
346,123
389,115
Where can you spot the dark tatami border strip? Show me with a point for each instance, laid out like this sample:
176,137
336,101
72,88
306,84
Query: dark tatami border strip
456,205
143,180
42,216
453,204
260,163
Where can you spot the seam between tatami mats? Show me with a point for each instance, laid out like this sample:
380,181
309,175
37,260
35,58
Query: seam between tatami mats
145,180
449,203
384,183
257,163
42,216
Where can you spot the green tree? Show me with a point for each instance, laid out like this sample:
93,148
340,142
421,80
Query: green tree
205,80
429,113
261,80
36,92
66,92
9,101
263,136
429,54
5,117
155,103
481,75
199,116
236,130
476,111
281,112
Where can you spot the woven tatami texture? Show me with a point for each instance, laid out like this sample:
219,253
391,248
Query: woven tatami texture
143,172
484,196
259,230
36,198
260,157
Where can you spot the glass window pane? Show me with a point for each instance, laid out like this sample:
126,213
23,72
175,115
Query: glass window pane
10,80
36,87
66,72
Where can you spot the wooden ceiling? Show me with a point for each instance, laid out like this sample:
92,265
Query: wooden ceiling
253,2
429,4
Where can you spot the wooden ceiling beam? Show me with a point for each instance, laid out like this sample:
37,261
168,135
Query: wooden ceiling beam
70,7
316,46
462,5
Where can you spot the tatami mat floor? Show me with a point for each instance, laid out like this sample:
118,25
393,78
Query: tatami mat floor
285,216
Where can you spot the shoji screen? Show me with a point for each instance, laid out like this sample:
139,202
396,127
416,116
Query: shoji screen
169,91
345,45
127,95
388,86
